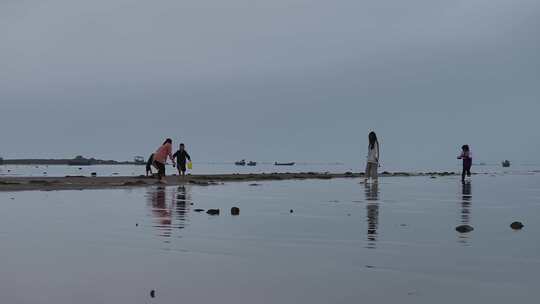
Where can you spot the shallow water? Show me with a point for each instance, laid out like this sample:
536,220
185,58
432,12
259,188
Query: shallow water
228,168
344,242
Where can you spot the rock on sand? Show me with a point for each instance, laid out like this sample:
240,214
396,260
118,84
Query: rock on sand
464,228
517,225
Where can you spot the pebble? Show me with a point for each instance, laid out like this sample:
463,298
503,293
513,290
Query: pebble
517,225
213,211
464,228
235,211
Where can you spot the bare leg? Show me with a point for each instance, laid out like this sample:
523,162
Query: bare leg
366,174
374,174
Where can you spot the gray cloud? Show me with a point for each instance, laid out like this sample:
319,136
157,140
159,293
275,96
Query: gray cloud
282,80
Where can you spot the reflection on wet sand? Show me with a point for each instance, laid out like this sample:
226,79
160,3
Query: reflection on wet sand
465,215
167,216
182,205
372,208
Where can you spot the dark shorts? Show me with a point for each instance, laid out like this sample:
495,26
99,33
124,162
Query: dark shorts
160,167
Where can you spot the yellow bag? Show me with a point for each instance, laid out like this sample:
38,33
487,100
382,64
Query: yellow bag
190,165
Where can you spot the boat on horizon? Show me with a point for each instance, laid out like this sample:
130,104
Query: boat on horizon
252,163
240,163
284,164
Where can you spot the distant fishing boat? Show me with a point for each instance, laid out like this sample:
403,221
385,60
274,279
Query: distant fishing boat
139,160
284,164
506,164
252,163
240,163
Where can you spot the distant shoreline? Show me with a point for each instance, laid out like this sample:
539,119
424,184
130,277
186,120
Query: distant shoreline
84,182
67,162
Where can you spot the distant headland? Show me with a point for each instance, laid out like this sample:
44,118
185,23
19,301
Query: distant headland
76,161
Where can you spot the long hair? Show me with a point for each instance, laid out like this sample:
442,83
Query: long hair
373,140
167,141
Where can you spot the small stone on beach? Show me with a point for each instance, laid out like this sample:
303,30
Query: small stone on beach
370,266
213,211
517,225
464,228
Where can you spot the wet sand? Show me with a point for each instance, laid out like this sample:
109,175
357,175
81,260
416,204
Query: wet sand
392,242
86,182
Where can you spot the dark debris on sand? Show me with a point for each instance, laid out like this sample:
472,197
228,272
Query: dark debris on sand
517,225
464,228
213,211
235,211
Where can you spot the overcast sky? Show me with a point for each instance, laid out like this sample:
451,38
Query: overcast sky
271,80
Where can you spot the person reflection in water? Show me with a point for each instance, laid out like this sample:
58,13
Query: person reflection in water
182,204
160,211
372,208
466,202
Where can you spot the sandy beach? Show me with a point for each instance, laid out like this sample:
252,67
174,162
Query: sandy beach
85,182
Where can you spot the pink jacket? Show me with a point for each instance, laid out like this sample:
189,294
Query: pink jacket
162,152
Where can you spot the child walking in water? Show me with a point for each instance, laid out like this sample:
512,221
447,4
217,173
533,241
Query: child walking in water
466,156
181,155
372,158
